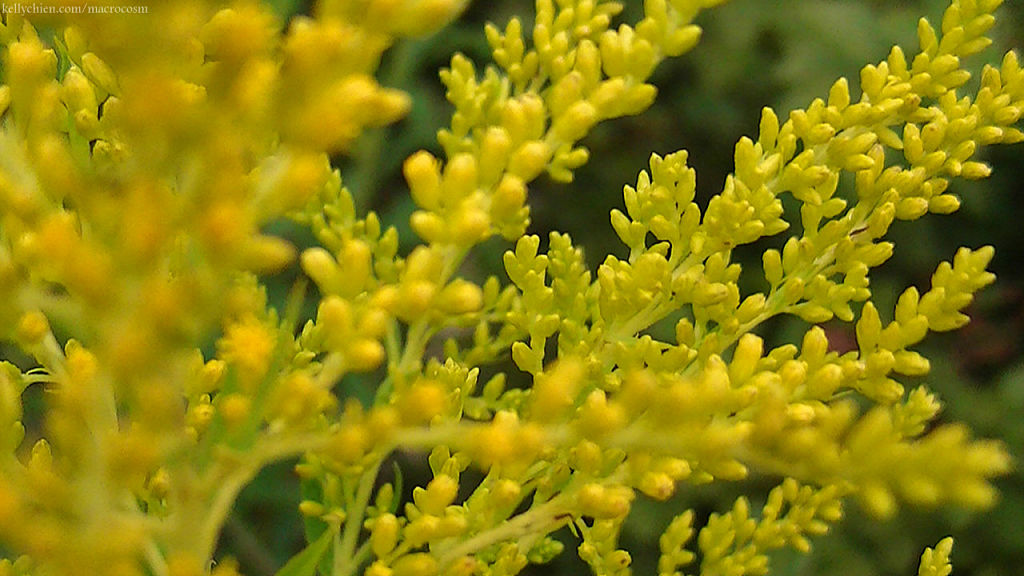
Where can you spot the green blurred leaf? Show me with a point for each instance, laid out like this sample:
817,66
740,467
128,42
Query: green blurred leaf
285,9
304,563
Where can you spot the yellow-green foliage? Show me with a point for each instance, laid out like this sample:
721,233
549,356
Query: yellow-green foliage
141,158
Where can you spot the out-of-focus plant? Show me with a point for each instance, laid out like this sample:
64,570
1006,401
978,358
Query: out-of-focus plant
144,157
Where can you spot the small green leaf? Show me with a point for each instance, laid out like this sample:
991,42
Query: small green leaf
304,563
398,488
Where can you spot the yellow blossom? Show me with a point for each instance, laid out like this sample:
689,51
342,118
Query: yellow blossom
248,346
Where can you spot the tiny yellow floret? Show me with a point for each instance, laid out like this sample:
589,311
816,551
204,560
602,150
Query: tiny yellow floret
247,345
32,328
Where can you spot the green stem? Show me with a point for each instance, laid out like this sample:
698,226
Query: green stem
346,557
155,559
222,484
249,547
544,518
215,511
421,330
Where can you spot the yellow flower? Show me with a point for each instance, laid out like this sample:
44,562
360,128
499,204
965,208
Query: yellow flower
247,345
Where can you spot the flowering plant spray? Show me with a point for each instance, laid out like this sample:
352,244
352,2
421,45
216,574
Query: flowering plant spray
144,159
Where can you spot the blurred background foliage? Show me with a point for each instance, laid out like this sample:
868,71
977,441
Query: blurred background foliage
781,53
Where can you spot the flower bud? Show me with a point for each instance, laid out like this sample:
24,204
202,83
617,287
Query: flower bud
437,496
494,152
414,299
772,262
471,225
424,400
657,485
424,263
975,170
422,17
575,122
348,444
384,534
100,74
364,355
565,93
311,508
378,569
607,97
305,175
236,35
638,98
506,493
751,307
234,409
418,564
555,390
586,457
354,267
613,54
508,198
334,315
429,226
604,503
76,91
944,204
460,177
460,297
267,254
598,416
839,94
530,159
911,363
744,360
75,42
32,328
682,40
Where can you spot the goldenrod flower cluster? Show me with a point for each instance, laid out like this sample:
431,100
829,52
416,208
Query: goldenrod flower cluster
142,158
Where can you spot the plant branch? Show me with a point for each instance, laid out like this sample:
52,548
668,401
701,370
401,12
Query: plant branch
346,557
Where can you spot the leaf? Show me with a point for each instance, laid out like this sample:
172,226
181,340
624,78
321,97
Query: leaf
285,9
305,562
398,488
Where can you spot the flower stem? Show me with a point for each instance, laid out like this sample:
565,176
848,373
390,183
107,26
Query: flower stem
545,518
346,558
